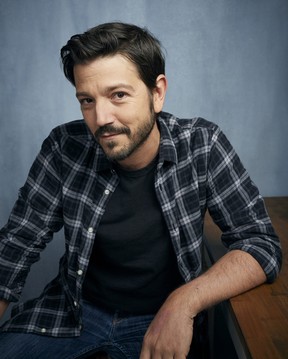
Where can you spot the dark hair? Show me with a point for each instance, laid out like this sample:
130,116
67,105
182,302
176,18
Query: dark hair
136,44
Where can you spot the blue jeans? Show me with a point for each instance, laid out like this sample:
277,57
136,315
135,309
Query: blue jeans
118,334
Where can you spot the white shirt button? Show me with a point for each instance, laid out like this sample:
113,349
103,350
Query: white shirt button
43,330
80,272
106,191
90,230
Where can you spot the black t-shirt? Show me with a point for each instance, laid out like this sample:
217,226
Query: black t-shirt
133,266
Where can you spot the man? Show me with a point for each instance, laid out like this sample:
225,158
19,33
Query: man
130,184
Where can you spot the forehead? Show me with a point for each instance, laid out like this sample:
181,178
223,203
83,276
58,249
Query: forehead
116,67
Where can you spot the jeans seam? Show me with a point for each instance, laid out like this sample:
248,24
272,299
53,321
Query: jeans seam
119,347
92,349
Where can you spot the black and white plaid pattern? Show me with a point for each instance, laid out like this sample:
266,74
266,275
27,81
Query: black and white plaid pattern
71,182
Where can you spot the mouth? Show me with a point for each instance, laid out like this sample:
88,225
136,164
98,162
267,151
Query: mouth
107,132
109,136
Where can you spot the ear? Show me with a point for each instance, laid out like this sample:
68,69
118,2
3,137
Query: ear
159,93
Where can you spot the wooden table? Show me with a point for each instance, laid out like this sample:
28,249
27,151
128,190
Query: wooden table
258,320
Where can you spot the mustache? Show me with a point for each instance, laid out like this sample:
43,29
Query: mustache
111,129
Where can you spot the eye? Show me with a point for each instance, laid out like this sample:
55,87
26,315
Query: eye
85,101
119,95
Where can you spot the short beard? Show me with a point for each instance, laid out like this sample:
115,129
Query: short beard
135,142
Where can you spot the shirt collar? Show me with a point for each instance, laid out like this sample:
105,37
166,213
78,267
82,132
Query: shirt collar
100,161
167,151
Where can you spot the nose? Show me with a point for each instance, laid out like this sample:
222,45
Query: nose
103,113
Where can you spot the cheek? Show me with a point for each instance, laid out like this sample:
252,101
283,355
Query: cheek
90,123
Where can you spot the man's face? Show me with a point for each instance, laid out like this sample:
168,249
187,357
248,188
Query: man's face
118,109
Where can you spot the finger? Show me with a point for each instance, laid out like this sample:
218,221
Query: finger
145,353
180,356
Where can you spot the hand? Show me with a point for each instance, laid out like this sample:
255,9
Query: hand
170,333
3,306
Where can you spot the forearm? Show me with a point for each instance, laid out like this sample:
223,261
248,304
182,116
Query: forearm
234,273
3,306
171,331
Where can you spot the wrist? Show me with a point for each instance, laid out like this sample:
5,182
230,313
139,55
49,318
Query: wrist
187,297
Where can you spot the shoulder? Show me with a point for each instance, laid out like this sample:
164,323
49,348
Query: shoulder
75,129
72,139
74,132
193,129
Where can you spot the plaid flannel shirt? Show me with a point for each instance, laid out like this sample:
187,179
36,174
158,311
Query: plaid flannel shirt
69,185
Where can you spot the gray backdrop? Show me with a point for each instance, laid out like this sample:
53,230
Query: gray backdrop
226,61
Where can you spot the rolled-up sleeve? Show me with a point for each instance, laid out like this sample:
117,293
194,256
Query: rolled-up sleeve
238,209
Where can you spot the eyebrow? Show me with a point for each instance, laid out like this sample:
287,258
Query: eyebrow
82,94
108,89
117,86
